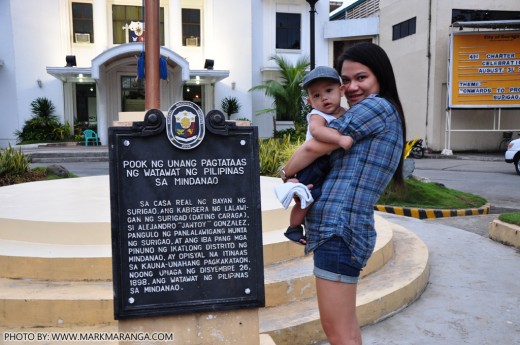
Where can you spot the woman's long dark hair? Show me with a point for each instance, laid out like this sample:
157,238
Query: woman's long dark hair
375,58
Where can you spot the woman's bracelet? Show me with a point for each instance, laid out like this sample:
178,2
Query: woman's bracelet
283,175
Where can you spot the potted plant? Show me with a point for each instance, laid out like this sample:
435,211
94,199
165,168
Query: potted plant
230,106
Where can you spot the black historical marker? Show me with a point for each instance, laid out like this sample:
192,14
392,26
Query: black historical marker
186,216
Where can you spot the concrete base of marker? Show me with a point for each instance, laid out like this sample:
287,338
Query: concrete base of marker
240,327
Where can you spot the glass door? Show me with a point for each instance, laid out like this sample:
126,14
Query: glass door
132,94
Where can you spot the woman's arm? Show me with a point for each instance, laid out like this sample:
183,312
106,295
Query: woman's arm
306,154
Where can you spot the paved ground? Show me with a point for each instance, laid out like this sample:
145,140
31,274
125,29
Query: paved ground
472,296
486,175
476,224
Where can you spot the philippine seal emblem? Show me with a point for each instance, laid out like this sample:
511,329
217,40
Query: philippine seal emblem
185,125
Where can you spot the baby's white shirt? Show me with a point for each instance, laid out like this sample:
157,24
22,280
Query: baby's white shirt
326,116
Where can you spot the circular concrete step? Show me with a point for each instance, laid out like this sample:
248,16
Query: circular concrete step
380,294
38,303
69,303
44,261
55,246
292,280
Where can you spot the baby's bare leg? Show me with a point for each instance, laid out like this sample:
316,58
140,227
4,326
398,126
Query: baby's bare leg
297,214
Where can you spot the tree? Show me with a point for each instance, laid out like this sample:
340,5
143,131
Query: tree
288,96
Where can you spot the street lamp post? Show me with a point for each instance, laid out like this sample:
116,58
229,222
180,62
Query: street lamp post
312,12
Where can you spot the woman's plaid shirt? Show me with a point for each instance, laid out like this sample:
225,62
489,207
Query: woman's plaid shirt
357,178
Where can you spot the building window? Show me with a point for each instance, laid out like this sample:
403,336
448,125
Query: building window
191,27
404,29
124,31
288,30
82,23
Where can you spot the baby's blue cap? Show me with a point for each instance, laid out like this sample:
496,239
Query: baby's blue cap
320,72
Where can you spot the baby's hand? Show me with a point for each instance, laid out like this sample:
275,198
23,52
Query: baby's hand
295,180
344,142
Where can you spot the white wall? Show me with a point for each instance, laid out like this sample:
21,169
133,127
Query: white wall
231,48
29,51
34,54
9,116
409,59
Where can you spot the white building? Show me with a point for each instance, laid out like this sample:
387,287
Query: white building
239,36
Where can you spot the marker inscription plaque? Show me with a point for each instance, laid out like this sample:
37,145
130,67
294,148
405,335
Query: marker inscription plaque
186,220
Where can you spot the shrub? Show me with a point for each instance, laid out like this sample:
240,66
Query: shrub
62,132
30,176
295,135
13,162
274,153
43,125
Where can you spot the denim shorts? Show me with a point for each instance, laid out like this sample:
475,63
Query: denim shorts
333,261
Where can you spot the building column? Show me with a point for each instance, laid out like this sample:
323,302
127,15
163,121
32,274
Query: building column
69,104
102,111
101,33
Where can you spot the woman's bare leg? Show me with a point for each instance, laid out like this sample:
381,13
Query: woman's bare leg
337,304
